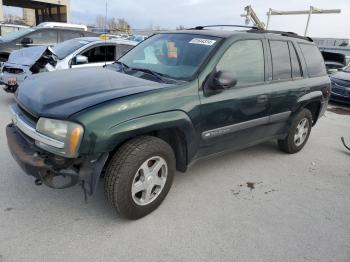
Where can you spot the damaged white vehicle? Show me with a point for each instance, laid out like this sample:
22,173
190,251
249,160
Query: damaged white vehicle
79,52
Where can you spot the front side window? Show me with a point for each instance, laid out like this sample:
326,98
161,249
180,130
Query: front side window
314,60
44,37
281,67
246,60
99,54
178,56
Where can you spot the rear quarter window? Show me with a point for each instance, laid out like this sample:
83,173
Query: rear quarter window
313,59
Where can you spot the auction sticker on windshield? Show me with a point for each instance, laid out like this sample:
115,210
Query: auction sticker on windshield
202,41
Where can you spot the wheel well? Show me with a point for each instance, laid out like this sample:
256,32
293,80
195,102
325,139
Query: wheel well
174,137
314,108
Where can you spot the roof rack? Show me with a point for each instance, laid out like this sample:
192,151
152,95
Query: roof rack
208,26
283,33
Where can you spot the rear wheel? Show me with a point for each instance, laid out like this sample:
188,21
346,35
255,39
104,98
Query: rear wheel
139,176
298,134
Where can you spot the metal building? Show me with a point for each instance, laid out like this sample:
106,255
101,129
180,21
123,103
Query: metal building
38,11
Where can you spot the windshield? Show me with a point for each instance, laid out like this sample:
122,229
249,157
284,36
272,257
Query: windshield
65,48
178,56
16,35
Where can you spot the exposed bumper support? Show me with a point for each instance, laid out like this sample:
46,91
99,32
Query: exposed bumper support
44,166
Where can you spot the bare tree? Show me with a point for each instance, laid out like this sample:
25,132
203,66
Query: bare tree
112,24
123,25
180,27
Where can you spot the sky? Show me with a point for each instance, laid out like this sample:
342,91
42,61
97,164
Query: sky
142,14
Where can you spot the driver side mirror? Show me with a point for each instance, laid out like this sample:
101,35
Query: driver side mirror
26,41
80,60
223,80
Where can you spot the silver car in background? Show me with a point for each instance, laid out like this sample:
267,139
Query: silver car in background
74,53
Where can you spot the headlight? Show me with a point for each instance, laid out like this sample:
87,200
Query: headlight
67,132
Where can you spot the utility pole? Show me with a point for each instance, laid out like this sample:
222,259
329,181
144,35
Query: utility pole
312,10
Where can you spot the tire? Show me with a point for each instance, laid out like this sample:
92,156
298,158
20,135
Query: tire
131,168
291,144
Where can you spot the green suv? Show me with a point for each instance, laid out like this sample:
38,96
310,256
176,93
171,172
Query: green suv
176,97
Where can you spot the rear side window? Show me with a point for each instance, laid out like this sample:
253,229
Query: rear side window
246,59
314,60
281,68
295,62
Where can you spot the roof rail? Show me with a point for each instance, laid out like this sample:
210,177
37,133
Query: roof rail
208,26
283,33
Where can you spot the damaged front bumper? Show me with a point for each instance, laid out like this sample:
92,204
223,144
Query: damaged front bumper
54,171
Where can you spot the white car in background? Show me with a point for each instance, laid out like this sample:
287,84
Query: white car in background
74,53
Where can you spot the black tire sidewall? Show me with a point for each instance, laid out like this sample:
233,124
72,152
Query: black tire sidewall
305,113
125,204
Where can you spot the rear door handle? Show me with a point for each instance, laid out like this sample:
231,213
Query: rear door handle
262,99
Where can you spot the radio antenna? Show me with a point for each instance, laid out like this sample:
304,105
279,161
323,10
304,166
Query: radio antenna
105,31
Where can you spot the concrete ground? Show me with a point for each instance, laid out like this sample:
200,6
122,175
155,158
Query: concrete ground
257,204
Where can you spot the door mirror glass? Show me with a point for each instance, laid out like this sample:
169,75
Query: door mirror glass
224,80
80,60
27,41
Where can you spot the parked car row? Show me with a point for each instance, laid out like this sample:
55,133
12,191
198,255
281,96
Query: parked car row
37,36
78,52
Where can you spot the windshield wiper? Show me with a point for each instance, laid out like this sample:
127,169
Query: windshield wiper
122,65
150,72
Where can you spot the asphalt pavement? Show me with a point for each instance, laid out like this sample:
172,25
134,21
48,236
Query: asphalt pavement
257,204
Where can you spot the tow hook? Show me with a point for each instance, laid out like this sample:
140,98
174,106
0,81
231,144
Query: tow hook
38,182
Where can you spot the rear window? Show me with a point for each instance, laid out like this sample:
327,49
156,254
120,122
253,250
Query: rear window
314,60
281,68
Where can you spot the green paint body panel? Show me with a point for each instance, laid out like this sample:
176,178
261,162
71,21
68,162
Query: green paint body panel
188,108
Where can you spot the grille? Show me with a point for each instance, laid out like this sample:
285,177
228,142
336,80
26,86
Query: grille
29,117
11,70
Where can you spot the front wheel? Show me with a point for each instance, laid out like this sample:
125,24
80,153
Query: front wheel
298,134
139,176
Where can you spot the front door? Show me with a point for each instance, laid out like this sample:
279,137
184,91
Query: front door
237,117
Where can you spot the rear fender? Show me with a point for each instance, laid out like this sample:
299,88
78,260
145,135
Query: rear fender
310,98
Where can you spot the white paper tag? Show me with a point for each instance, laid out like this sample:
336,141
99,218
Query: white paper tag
202,41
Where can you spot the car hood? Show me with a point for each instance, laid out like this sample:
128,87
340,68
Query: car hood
60,94
27,56
342,76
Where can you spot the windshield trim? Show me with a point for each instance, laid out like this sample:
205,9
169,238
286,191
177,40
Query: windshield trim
202,65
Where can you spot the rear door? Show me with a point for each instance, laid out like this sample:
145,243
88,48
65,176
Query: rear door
237,117
286,82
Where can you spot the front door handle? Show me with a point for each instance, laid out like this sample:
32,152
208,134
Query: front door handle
262,99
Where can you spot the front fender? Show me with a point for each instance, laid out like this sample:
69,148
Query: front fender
150,123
